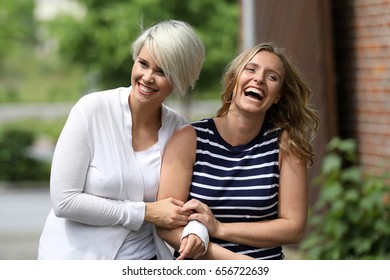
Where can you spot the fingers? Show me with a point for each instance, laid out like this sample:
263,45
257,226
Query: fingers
180,205
181,249
204,219
176,201
168,213
191,247
195,205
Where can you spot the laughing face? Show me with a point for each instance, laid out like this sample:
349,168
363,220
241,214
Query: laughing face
260,83
149,83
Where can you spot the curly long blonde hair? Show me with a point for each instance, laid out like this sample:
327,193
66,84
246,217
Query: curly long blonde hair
293,113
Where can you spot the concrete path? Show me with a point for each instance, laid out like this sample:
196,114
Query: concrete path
22,216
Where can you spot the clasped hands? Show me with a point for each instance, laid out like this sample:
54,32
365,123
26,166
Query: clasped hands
172,213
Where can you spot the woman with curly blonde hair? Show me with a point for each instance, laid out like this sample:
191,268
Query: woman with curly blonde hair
244,172
292,113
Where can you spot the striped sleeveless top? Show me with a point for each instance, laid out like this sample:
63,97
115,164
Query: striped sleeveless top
238,183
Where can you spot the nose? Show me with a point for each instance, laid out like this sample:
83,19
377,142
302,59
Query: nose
259,78
147,77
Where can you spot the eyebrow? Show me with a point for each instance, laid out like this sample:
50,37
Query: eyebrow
147,62
253,64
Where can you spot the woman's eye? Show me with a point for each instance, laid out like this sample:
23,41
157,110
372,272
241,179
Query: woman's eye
160,72
250,69
142,63
273,77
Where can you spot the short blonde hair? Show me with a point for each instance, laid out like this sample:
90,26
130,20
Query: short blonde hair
177,49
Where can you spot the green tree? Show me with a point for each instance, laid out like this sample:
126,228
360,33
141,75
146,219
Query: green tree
17,34
17,26
101,40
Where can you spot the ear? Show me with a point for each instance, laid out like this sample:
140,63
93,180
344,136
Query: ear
277,98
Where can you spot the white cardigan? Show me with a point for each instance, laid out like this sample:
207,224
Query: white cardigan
96,185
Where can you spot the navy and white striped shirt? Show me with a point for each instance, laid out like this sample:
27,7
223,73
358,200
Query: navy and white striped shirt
238,183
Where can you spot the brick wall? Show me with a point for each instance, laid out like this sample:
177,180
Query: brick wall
362,59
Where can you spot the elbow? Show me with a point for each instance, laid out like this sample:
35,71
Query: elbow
296,238
59,211
60,208
297,235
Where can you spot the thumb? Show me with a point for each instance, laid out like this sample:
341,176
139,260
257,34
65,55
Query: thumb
183,244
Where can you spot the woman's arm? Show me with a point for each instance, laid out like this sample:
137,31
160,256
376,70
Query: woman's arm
288,228
194,250
69,170
176,176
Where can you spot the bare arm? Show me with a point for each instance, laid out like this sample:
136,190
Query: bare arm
176,174
175,181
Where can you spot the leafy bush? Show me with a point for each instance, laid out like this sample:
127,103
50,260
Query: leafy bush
351,219
16,164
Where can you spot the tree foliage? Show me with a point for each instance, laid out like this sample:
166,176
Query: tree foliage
351,218
15,161
17,26
101,40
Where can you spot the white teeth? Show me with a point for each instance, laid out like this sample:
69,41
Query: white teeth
255,90
145,89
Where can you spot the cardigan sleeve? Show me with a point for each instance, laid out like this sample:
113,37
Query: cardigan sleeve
68,175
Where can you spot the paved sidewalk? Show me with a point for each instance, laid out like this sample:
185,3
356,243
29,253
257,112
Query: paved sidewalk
22,216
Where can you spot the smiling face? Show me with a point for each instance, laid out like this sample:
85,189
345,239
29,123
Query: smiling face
149,84
260,83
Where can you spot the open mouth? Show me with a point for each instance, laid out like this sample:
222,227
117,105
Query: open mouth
145,89
254,93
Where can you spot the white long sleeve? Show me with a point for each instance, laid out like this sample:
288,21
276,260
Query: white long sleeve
96,184
76,192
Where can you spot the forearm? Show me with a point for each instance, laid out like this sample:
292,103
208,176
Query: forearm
171,236
71,201
216,252
261,234
97,211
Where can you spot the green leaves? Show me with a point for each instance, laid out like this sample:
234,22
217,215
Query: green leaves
17,26
351,219
16,164
100,42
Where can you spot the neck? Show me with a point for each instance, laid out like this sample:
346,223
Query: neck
146,122
238,129
145,114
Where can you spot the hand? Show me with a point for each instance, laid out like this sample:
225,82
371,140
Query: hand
166,213
202,213
191,247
